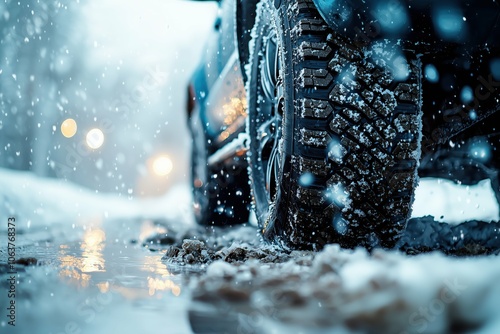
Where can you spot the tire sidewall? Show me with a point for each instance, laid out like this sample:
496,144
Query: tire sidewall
268,213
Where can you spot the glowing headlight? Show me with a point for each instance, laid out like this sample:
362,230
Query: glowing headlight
95,138
68,128
162,165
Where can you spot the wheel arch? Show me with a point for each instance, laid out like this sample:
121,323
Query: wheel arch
245,19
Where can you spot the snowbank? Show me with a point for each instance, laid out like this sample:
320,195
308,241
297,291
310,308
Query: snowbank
40,203
453,203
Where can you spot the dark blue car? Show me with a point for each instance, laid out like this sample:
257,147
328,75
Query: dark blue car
321,114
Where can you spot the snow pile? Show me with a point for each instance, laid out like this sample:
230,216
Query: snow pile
39,203
452,203
197,252
355,292
195,247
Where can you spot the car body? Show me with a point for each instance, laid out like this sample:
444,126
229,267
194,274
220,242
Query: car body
457,39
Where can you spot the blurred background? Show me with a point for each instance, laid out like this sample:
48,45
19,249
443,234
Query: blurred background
94,91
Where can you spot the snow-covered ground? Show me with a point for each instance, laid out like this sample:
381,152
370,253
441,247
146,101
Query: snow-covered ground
130,271
354,292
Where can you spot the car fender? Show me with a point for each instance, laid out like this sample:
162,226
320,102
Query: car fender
245,19
337,13
470,23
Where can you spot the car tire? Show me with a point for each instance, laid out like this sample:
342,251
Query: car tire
335,131
221,196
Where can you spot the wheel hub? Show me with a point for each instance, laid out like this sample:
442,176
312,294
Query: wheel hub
271,115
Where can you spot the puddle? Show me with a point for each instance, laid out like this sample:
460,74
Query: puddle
98,282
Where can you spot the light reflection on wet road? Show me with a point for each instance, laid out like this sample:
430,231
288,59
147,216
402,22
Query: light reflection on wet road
100,282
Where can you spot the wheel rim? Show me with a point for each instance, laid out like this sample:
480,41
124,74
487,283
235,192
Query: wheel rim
268,122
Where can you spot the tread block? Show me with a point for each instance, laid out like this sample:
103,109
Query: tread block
312,197
350,82
385,103
335,179
314,138
368,95
339,94
314,50
405,150
400,181
383,76
357,164
315,108
316,167
388,130
337,63
349,52
366,156
368,111
376,137
348,174
349,144
315,78
379,154
406,122
360,136
407,92
339,124
308,25
305,5
352,115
